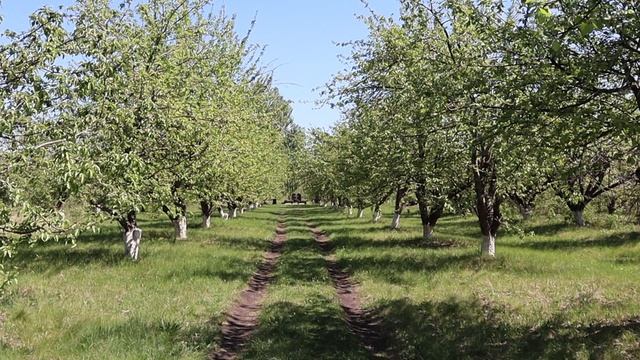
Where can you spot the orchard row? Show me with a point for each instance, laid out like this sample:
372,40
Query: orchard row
118,108
466,105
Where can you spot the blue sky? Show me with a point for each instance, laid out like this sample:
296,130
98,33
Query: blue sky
299,35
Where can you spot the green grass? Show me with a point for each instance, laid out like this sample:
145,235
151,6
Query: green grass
564,292
561,293
90,302
302,318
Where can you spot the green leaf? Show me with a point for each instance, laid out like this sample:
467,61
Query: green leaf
586,28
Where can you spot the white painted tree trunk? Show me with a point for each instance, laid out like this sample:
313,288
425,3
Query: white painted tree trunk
180,225
326,205
241,210
360,213
350,210
377,215
395,222
132,242
224,215
206,221
235,213
578,215
488,246
427,232
252,206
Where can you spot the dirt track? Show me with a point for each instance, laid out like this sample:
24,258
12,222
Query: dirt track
365,324
242,317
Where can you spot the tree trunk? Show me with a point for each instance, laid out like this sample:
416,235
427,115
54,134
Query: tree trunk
179,216
399,207
350,210
377,215
577,209
427,231
207,210
206,221
360,213
132,239
487,199
489,246
59,206
578,216
425,213
525,202
223,215
395,222
181,227
234,214
611,206
131,235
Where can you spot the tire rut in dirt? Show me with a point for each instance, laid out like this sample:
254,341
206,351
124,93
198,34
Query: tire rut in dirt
242,317
366,324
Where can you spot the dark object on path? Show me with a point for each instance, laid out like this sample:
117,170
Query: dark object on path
296,198
275,201
242,318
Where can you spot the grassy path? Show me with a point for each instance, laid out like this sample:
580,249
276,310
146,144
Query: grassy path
364,323
554,291
242,317
301,317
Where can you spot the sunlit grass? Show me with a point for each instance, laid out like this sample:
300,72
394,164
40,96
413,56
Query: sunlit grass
90,302
549,279
554,291
302,318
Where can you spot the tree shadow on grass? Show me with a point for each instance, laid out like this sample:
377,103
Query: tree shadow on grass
330,222
628,258
361,242
391,267
113,236
458,221
52,260
547,229
460,232
301,263
615,240
311,331
106,235
357,229
474,329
